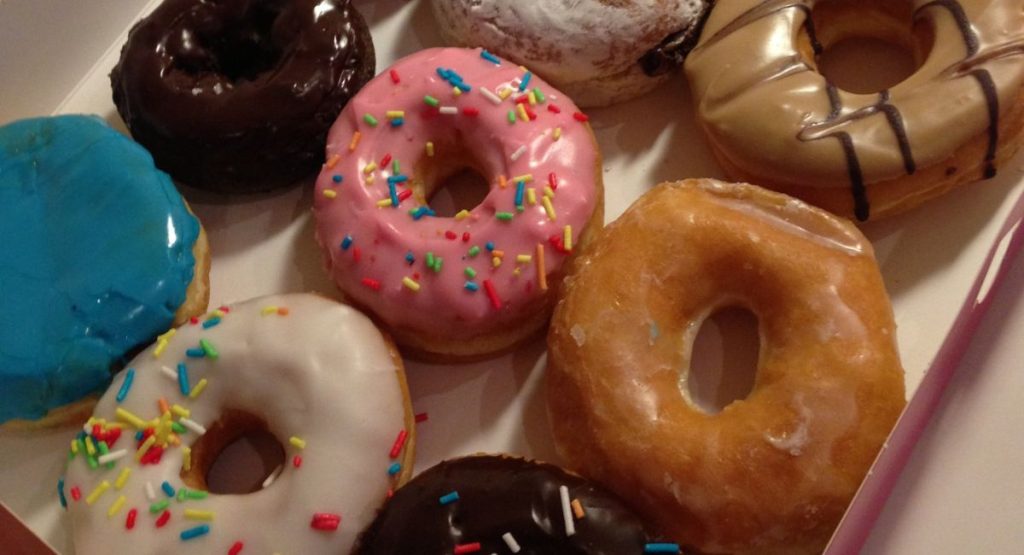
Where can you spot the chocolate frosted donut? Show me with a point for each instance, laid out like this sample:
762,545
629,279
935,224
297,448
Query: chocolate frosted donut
488,504
238,95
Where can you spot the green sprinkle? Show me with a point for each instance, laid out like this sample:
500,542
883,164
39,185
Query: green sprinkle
101,446
181,494
196,494
511,116
368,118
538,94
208,348
93,463
395,168
178,428
473,251
504,216
437,264
431,101
470,272
429,259
159,506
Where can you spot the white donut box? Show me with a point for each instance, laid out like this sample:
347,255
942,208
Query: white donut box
944,264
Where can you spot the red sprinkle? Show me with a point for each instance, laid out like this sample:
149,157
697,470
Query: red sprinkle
492,294
129,522
224,309
406,193
470,111
467,548
580,116
450,235
356,254
297,461
97,432
399,443
283,311
553,181
394,77
371,283
236,548
556,241
385,160
326,521
529,113
522,99
422,417
160,522
465,236
193,320
553,108
76,493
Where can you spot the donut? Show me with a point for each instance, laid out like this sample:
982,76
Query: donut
237,95
317,375
82,286
598,52
502,504
483,279
771,118
772,472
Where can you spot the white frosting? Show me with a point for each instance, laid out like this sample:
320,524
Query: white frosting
322,373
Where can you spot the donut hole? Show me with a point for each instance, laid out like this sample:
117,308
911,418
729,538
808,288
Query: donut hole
723,360
236,455
451,183
869,46
242,48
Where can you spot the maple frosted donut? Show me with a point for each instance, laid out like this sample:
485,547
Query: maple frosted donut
772,472
598,52
315,374
773,119
483,279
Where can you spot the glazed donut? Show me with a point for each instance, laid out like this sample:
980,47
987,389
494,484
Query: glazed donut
772,119
771,473
502,504
314,373
237,95
597,52
483,280
82,286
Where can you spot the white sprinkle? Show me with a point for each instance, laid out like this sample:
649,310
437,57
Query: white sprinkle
87,427
112,456
570,526
450,110
150,492
273,476
513,546
170,373
193,425
519,152
495,99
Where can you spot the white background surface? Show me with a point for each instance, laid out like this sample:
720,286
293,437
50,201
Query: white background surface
962,492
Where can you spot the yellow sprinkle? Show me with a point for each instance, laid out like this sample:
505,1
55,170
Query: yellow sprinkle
384,203
370,167
525,178
145,447
124,415
495,261
501,181
462,215
199,387
533,98
531,196
186,458
542,278
430,148
409,283
395,114
112,425
549,209
116,506
96,493
74,446
577,509
522,112
332,161
167,335
456,91
548,191
161,344
175,440
196,514
218,313
557,134
268,310
329,193
355,141
92,420
504,93
122,478
182,412
297,442
567,237
498,253
517,271
90,447
524,258
369,181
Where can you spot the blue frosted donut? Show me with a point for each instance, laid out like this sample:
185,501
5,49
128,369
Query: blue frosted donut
96,260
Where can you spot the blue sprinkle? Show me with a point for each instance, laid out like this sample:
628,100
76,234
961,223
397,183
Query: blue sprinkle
82,434
472,286
409,258
211,322
192,533
525,81
400,178
129,377
394,194
195,352
138,435
490,57
449,498
397,122
166,486
520,189
662,548
346,242
337,178
444,73
422,211
60,493
490,245
183,379
395,468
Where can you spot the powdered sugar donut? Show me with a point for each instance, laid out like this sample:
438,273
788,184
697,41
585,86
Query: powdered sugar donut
484,279
597,51
315,374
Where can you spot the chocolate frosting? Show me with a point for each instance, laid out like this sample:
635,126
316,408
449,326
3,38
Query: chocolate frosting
499,495
669,54
237,95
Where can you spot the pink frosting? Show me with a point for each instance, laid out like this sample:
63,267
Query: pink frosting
366,246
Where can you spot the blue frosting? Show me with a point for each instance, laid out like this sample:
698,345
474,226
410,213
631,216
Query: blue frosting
95,258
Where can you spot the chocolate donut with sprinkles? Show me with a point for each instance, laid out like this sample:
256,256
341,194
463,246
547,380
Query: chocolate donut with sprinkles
501,504
482,280
314,374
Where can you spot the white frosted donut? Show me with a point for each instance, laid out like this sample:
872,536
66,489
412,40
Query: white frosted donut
597,51
321,378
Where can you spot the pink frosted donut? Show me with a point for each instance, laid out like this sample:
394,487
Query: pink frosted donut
481,281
